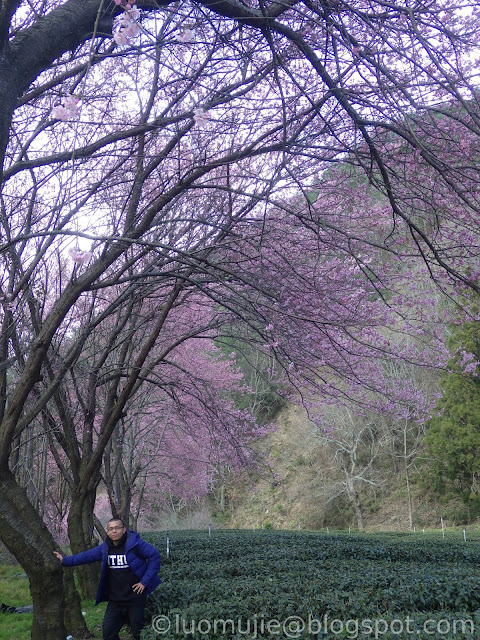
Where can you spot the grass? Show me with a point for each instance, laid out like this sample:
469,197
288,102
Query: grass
14,592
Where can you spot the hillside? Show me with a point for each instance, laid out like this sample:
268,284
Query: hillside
300,489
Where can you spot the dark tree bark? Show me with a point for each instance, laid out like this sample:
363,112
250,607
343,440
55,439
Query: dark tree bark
27,538
80,530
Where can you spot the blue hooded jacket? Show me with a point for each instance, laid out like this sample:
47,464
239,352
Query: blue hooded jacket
142,557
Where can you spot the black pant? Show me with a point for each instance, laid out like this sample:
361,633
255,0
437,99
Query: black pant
117,614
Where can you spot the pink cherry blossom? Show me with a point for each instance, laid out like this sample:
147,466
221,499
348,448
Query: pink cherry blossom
69,109
201,117
78,256
120,37
187,35
126,26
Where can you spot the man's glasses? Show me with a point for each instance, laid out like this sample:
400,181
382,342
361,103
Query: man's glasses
114,528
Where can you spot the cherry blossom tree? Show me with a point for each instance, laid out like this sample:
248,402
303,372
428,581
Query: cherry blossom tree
183,428
185,389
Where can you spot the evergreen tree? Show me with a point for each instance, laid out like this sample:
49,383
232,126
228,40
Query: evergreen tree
453,437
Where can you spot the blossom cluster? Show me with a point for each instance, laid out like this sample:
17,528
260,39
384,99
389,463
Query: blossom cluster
185,36
201,117
68,110
127,27
80,257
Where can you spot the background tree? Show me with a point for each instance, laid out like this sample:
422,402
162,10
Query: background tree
152,147
355,444
452,439
185,429
264,394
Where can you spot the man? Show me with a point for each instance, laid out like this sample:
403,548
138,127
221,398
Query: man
129,573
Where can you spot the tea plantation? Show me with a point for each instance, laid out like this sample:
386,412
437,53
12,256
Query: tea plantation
270,584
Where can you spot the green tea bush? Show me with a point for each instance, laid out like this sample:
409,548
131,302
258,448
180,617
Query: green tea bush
273,575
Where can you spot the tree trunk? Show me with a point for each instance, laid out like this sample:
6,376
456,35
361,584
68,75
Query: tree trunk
27,538
356,502
126,505
81,536
358,511
135,516
407,479
222,497
73,617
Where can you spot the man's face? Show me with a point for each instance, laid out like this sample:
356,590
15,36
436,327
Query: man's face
115,530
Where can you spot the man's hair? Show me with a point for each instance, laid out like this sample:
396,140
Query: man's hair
115,519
